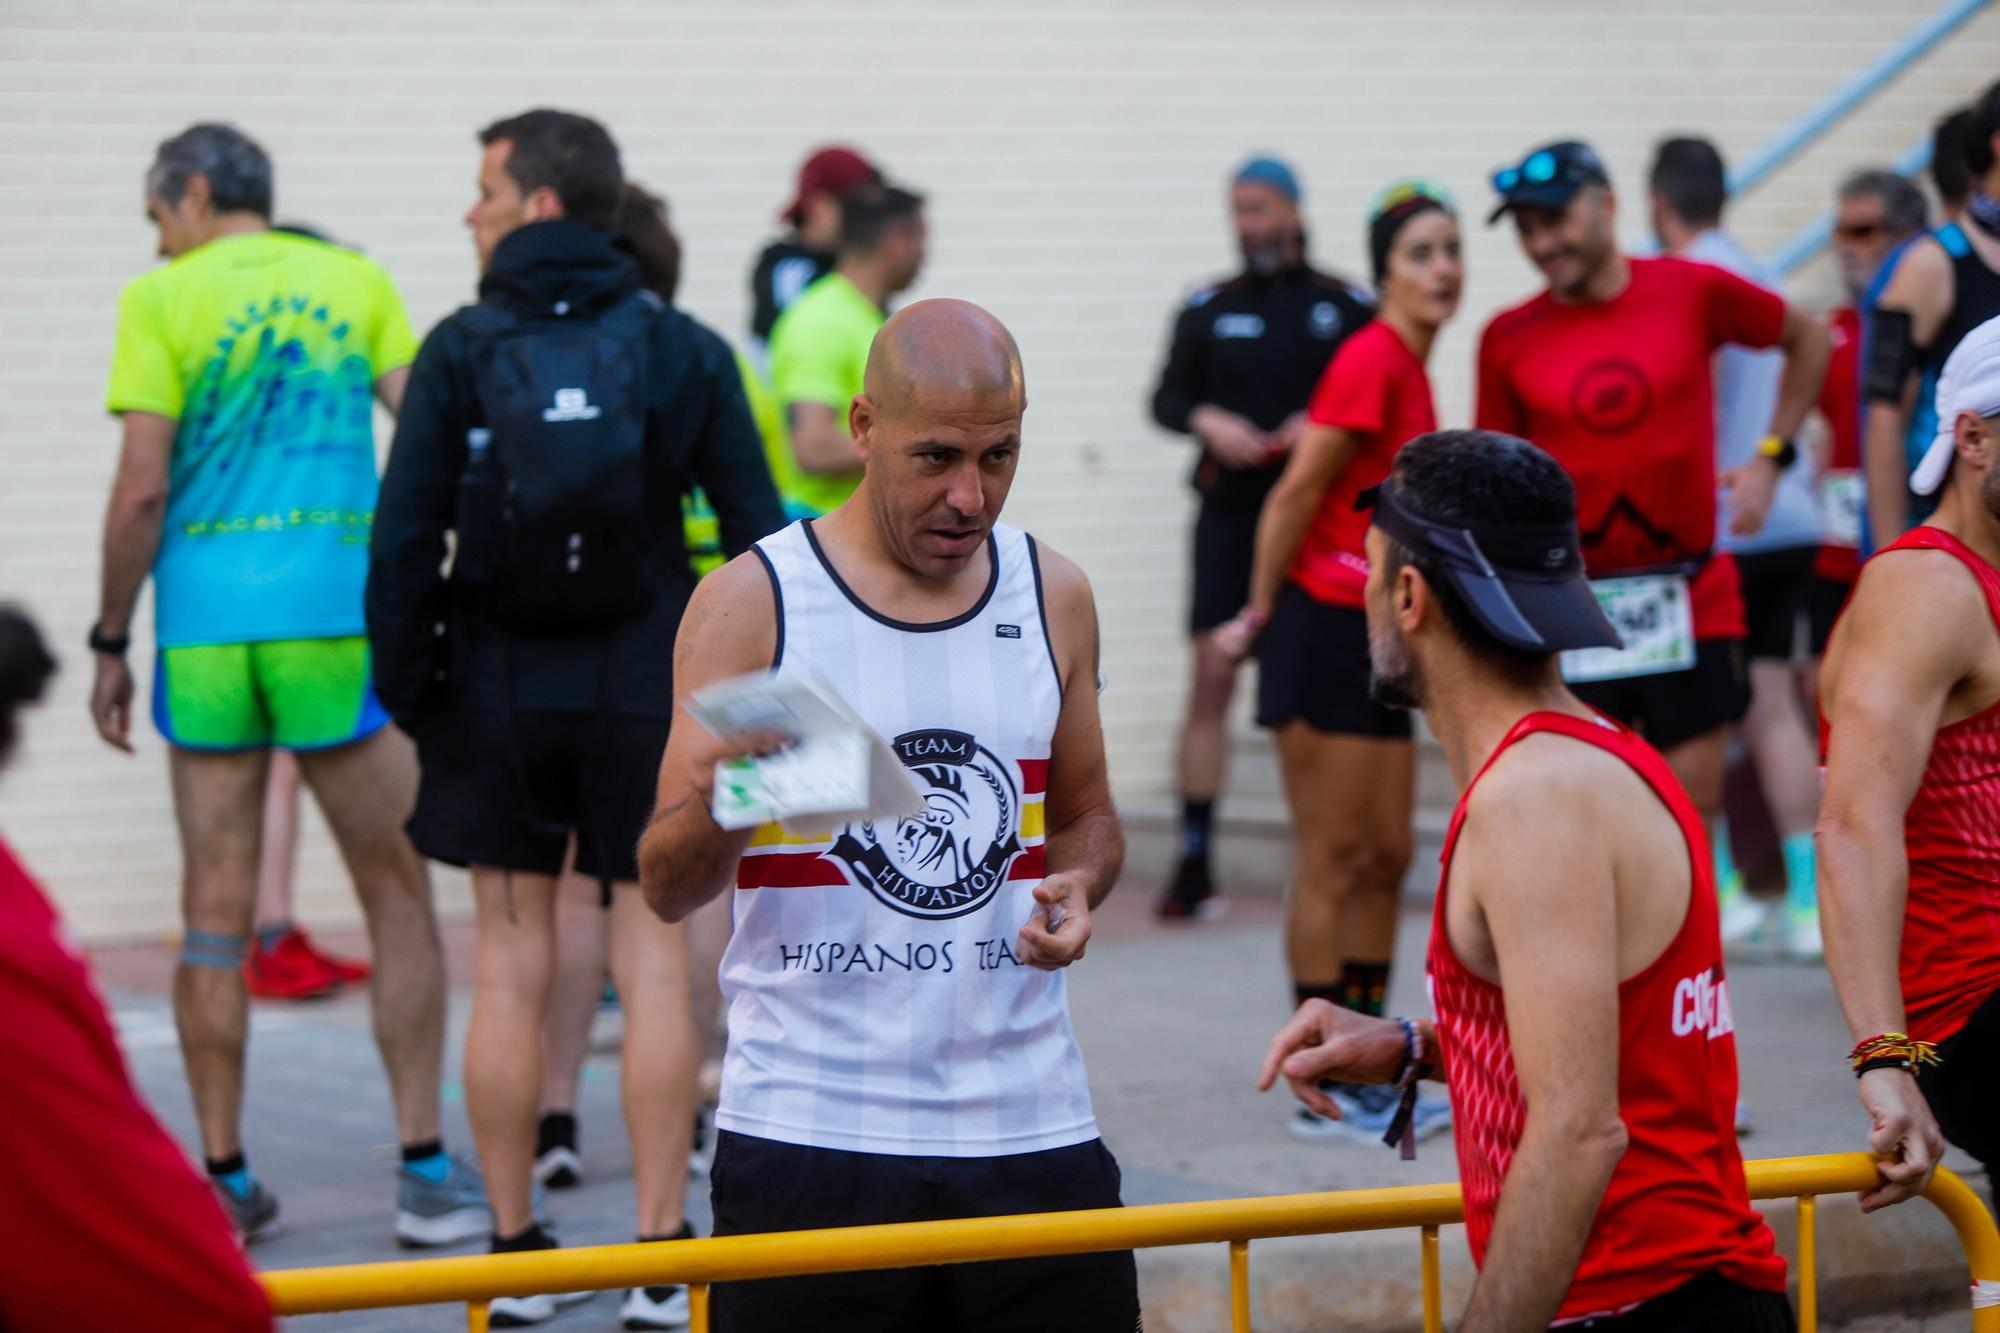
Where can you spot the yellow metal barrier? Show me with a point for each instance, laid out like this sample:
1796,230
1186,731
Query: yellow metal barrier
698,1263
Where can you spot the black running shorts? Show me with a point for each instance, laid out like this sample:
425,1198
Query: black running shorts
762,1185
507,790
1312,664
1824,599
1225,547
1710,1303
1964,1087
1677,706
1774,586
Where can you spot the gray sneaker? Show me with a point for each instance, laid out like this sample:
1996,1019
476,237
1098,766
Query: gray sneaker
433,1213
254,1215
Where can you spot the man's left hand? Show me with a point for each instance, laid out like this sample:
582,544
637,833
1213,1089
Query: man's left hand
111,701
1058,929
1750,487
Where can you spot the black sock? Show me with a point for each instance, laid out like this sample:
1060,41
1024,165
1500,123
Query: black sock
1196,816
556,1129
534,1238
685,1233
222,1166
1302,991
661,1292
1364,987
417,1152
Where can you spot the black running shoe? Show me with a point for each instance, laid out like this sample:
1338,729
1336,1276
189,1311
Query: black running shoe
1191,896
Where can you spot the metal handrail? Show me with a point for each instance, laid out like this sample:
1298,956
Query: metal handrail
698,1263
1794,138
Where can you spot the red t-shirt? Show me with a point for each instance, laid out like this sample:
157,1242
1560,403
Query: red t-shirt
1840,404
1621,393
1676,1206
1376,390
107,1225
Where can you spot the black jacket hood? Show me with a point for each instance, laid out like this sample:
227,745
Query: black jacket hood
538,266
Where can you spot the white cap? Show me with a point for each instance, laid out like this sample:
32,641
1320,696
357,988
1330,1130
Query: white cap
1970,382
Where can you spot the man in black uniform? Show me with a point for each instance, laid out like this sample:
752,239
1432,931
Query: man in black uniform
1246,353
805,254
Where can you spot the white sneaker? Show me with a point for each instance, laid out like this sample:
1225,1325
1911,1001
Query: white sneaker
522,1311
1745,1122
1802,938
1744,920
655,1308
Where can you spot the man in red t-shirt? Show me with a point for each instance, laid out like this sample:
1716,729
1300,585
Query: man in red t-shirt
1609,371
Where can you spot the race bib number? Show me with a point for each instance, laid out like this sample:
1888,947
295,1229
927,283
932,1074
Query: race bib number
1654,614
1841,501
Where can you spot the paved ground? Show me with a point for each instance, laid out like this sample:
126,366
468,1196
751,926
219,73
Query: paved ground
1172,1022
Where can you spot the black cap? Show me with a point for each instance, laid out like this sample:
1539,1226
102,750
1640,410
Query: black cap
1525,583
1549,177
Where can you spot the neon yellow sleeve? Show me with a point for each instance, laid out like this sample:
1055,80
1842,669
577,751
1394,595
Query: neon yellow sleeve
144,374
395,346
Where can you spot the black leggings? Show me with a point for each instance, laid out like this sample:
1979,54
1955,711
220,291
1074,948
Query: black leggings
1710,1303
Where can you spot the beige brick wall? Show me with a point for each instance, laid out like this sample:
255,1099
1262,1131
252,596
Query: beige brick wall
1073,154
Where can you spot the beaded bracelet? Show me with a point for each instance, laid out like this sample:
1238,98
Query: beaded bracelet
1892,1048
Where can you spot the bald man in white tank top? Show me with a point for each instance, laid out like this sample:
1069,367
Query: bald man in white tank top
899,1036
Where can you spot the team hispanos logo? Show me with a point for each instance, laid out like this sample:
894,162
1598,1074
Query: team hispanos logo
952,858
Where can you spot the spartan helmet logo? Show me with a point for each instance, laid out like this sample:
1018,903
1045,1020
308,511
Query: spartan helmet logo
952,858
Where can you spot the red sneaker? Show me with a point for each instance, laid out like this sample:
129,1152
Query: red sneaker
290,970
349,971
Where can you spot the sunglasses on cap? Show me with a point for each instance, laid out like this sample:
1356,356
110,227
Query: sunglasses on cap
1558,164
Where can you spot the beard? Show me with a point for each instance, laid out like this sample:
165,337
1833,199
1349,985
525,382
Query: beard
1393,678
1989,491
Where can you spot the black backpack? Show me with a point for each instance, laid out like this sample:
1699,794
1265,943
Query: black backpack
554,526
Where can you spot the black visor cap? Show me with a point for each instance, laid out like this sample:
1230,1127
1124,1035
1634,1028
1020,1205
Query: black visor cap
1525,584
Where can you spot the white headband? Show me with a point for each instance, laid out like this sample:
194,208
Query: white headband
1970,382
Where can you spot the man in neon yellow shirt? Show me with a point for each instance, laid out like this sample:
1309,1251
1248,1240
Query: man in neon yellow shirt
244,377
819,347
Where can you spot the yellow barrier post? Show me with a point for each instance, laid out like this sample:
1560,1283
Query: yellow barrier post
1239,1286
696,1263
1808,1264
1433,1293
698,1307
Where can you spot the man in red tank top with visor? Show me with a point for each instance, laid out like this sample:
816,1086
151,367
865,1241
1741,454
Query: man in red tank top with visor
1594,1092
1909,828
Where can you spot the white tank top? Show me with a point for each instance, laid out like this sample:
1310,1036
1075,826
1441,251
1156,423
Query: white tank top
875,1003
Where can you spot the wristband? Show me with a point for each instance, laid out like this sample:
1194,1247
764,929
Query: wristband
1402,1132
1779,450
100,642
1890,1049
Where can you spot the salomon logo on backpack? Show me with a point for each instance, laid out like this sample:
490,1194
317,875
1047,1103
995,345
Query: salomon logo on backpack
553,516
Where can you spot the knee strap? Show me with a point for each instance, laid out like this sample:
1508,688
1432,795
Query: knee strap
205,948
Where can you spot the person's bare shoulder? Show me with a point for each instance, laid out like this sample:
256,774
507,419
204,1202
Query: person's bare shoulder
1915,604
1923,271
1071,608
1550,794
731,624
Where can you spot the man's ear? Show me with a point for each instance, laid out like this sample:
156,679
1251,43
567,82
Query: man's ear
861,421
1410,598
1973,436
197,198
543,205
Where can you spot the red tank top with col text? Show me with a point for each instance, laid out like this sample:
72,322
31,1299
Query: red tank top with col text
1676,1206
1951,920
